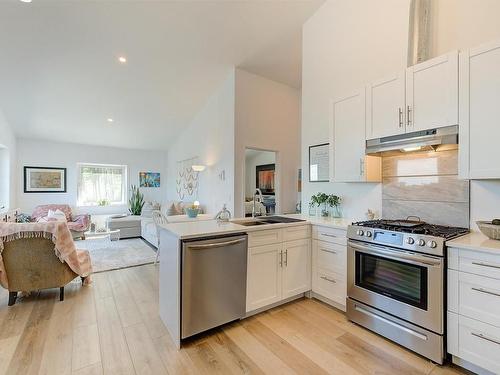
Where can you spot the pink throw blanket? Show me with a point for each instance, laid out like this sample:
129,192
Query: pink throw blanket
58,232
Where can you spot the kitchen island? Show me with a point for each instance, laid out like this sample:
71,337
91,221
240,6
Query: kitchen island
280,262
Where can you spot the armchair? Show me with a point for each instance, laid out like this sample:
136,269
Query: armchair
77,224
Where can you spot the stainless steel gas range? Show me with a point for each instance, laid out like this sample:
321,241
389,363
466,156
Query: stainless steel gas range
396,281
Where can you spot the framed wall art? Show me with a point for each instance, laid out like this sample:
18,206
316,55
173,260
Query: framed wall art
44,180
319,163
149,179
264,175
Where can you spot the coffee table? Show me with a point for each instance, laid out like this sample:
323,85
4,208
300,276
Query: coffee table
113,234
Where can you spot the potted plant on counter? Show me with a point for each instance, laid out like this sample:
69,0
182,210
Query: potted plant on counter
334,203
330,205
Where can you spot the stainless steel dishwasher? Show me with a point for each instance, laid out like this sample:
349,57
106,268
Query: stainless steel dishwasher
214,282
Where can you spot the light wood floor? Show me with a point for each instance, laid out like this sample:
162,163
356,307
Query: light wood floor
113,327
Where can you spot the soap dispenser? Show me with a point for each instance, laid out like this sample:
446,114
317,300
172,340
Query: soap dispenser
224,214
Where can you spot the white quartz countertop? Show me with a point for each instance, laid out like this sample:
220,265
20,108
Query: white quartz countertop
475,241
204,228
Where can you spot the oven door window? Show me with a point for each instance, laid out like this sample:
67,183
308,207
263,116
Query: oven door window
398,280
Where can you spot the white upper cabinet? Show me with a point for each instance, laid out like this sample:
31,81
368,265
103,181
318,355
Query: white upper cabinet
432,93
423,97
348,141
385,100
480,112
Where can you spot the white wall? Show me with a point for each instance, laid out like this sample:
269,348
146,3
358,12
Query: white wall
347,43
67,155
7,164
267,117
254,158
210,137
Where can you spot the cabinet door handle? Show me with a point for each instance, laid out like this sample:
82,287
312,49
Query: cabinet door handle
328,235
408,118
328,279
481,336
400,114
281,259
329,251
486,291
485,265
286,258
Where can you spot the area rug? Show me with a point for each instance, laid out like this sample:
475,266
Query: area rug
109,255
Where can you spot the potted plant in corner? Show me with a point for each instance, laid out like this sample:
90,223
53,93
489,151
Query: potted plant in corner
136,201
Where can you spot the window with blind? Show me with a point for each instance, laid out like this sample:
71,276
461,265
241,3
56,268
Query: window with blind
101,185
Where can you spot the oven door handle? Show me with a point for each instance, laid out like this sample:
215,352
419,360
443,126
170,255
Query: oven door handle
396,255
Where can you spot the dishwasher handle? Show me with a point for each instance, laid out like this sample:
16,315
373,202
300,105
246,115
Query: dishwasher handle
217,244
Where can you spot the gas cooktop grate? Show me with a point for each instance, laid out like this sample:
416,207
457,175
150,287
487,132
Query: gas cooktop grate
417,227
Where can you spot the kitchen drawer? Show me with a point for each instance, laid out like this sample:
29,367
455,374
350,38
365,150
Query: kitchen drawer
327,234
475,262
479,343
331,257
330,285
479,298
265,237
296,233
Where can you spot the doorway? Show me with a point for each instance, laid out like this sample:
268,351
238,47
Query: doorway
260,182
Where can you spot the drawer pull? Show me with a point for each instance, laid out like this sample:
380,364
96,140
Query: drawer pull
328,279
485,265
329,251
329,235
481,336
486,291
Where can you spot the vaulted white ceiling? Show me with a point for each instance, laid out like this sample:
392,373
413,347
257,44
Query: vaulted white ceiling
60,78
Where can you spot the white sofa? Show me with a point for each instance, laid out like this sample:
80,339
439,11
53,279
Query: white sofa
148,231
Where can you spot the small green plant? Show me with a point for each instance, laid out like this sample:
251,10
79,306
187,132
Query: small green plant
333,200
102,202
136,201
325,200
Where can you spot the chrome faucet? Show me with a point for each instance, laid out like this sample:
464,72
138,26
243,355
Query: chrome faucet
261,199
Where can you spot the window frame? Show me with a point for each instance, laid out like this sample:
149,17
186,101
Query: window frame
124,168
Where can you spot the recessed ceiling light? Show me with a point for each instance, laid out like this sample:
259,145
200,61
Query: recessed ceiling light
26,1
110,120
122,59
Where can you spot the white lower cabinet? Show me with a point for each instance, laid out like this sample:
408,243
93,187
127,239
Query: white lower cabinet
329,265
264,275
296,267
278,271
474,308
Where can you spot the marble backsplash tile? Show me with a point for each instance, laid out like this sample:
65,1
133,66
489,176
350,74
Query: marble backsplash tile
421,164
426,188
442,213
426,185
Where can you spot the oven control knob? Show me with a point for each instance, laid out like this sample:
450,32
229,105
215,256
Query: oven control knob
360,232
410,241
432,244
421,242
368,233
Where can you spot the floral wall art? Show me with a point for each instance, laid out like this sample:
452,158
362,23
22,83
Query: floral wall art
187,182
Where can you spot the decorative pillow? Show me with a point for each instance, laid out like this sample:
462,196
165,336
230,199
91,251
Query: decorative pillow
57,215
172,210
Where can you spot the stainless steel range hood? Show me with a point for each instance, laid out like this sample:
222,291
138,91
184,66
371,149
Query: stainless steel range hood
425,138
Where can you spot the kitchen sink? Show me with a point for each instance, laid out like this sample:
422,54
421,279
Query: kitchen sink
264,220
249,223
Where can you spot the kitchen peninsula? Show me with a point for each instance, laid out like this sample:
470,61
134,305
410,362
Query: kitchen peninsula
284,261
